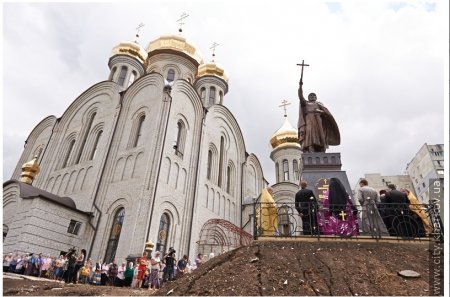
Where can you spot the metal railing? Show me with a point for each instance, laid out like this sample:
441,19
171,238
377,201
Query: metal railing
382,220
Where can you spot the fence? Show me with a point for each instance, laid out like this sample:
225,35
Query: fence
387,221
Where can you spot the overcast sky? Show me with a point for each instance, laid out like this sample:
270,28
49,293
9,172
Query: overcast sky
378,66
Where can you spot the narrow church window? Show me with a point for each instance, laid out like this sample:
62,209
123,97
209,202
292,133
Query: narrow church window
208,170
139,131
228,179
74,227
164,225
285,170
69,152
277,172
203,93
114,236
132,77
170,75
221,97
122,75
85,135
222,145
94,149
181,138
296,175
212,96
5,231
113,71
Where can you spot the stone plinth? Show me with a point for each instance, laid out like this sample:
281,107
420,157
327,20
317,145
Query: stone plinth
317,166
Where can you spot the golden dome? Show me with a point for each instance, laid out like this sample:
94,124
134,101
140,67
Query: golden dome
29,171
212,69
172,43
286,135
131,49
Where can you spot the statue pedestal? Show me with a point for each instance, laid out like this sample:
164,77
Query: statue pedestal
318,168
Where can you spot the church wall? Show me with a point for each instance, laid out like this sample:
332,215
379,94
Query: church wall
213,201
179,167
161,63
41,226
80,175
128,168
35,144
290,154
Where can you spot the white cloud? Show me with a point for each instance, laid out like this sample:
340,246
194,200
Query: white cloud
378,67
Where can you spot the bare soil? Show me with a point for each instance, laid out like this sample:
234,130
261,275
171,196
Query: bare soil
293,268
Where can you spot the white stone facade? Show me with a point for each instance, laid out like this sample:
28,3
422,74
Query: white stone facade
153,148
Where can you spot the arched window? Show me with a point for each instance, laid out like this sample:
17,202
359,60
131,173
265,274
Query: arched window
285,170
203,93
164,224
209,168
181,139
69,152
122,75
138,136
85,135
228,189
296,173
132,78
113,71
221,97
222,146
277,172
95,147
5,231
212,96
114,236
170,75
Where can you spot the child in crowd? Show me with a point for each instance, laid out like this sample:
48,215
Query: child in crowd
84,274
97,278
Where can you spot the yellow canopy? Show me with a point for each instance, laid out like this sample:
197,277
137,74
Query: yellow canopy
266,214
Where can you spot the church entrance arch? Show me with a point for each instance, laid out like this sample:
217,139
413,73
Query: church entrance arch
218,236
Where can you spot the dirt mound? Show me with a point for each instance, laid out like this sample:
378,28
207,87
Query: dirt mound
310,268
292,268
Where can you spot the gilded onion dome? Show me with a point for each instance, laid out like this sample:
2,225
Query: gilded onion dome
175,44
286,135
29,171
213,69
131,49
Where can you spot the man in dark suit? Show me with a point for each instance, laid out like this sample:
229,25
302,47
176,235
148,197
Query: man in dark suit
306,205
397,208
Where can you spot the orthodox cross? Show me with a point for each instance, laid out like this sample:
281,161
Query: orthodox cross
302,64
213,47
284,103
138,29
180,21
342,214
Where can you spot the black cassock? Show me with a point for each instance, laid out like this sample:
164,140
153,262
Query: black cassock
306,205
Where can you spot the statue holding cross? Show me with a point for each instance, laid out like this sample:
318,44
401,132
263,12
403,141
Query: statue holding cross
317,128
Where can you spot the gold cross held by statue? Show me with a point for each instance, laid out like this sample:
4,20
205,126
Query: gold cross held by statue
180,21
343,214
284,104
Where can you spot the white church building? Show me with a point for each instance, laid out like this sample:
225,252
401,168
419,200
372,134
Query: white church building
149,154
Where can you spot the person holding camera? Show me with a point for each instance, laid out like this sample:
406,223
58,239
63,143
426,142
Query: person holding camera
169,260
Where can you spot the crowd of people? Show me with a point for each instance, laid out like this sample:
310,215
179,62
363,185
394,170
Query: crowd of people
73,267
389,212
